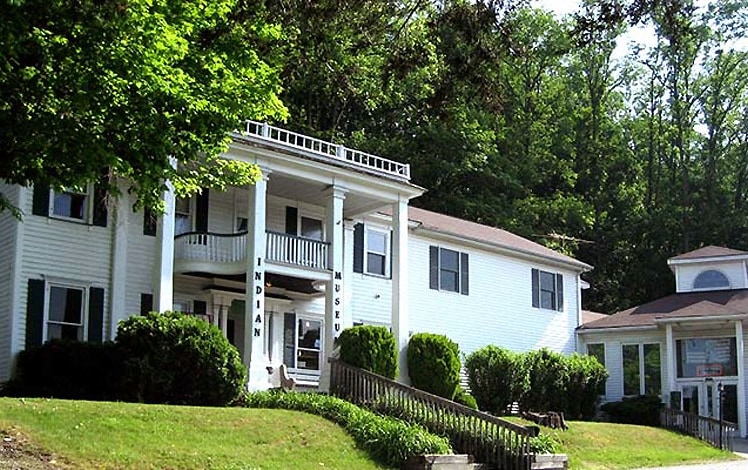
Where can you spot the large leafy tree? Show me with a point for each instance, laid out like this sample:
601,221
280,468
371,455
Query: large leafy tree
125,86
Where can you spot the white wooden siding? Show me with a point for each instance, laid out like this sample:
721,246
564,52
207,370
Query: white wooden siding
142,251
8,226
734,270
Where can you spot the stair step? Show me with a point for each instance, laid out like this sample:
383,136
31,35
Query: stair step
442,462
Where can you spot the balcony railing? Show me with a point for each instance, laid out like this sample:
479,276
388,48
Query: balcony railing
718,433
224,249
327,149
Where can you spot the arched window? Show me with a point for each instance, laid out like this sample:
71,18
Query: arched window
711,279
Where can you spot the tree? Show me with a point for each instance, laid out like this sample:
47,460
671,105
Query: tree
126,86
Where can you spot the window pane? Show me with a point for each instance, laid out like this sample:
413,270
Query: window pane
597,351
375,264
182,206
707,357
547,300
307,360
376,241
652,377
182,224
65,305
547,281
449,260
69,204
309,334
449,280
631,372
710,280
57,331
311,228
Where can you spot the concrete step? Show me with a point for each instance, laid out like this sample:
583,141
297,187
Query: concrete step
443,462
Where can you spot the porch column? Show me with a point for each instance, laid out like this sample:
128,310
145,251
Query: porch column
672,372
163,289
348,273
118,307
400,320
254,309
740,350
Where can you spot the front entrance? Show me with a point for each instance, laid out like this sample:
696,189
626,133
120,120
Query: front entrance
703,397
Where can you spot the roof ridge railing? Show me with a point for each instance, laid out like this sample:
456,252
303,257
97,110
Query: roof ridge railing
327,149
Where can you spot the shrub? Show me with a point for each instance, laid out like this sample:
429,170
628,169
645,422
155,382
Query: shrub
434,364
464,398
547,373
586,382
178,359
496,378
67,369
644,410
369,347
388,440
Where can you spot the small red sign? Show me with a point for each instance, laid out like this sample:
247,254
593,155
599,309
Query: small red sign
708,370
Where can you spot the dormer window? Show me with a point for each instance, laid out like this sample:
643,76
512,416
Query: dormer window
711,279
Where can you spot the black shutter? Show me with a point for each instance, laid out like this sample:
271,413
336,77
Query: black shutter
201,211
41,201
199,307
95,314
434,267
559,292
289,339
358,248
464,274
535,288
292,220
146,303
35,312
100,210
390,254
150,222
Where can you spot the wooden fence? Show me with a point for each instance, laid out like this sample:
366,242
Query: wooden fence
487,438
715,432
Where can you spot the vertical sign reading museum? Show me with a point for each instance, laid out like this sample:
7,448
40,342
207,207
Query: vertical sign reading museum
337,284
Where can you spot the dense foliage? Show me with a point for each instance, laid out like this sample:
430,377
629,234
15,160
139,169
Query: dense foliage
434,364
390,441
178,359
68,369
644,410
369,347
539,380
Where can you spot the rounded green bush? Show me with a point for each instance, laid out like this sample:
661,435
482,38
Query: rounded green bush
369,347
496,378
464,398
434,364
178,359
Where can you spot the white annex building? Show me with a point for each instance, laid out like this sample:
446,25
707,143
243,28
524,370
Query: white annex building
325,240
688,347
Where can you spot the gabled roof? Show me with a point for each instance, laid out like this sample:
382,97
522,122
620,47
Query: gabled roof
723,303
440,223
710,251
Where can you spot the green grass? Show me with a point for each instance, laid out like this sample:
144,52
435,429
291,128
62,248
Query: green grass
125,435
608,446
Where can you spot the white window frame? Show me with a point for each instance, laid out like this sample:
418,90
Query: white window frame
190,215
386,254
296,348
554,291
693,283
642,365
84,308
459,270
88,193
307,215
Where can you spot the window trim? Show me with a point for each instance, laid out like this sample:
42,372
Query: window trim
642,368
387,251
297,348
89,201
190,215
725,287
463,270
84,308
558,297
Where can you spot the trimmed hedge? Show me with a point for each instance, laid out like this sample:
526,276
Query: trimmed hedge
178,359
644,410
369,347
434,364
68,369
388,440
496,377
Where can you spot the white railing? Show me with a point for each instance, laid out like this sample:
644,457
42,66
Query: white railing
334,151
232,248
283,248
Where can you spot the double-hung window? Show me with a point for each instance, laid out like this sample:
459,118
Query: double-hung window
449,270
182,217
65,313
71,204
377,243
547,290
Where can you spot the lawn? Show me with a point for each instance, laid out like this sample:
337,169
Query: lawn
124,435
607,446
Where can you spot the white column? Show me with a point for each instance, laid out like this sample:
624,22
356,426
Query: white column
163,289
670,361
254,312
740,347
119,261
348,274
400,320
335,307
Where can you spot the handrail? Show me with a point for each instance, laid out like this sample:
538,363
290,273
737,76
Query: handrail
718,433
327,149
296,237
488,438
211,234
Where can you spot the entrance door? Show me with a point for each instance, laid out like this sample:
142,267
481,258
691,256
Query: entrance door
703,398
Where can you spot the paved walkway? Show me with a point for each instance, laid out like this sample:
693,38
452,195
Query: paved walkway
740,446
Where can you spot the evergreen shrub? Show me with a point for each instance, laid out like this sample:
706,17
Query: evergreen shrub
369,347
496,378
67,369
388,440
434,364
178,359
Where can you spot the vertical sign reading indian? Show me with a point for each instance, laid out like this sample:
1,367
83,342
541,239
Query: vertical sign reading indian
258,307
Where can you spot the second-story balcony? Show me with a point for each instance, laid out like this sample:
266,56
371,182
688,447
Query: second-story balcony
219,253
